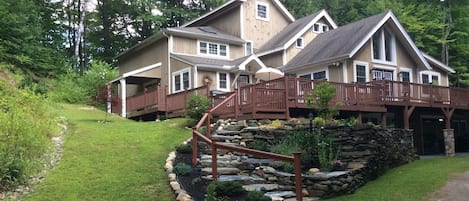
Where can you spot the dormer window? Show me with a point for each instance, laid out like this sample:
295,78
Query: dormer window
262,11
320,27
299,43
214,49
384,46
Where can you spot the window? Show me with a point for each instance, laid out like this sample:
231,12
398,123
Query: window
181,80
430,77
316,28
325,28
243,80
248,48
321,75
299,43
223,80
213,49
383,43
262,10
379,74
405,76
320,27
360,72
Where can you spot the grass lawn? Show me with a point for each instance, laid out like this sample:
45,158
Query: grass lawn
410,182
119,160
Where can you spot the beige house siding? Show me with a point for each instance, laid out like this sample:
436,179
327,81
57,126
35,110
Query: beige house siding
184,45
336,73
273,60
236,51
229,23
260,31
177,66
292,50
152,54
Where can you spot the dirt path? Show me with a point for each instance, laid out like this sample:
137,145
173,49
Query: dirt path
456,189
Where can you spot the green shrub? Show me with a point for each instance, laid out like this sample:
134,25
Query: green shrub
182,169
324,92
184,148
319,121
211,193
196,181
196,106
260,145
257,196
288,167
228,188
26,125
327,152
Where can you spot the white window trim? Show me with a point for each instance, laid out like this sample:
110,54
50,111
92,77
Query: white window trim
409,70
246,47
383,49
218,49
430,74
321,25
266,11
180,72
387,68
367,70
227,81
302,43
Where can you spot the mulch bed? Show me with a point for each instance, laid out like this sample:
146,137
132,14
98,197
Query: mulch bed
196,191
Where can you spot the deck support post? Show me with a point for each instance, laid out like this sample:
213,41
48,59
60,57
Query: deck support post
383,120
407,113
123,96
207,125
109,98
449,142
448,112
359,118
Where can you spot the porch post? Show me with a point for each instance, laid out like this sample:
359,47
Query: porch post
448,112
109,98
407,112
449,142
123,96
383,120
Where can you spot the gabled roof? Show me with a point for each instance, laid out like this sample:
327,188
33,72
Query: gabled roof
227,7
205,32
438,64
219,64
289,34
344,42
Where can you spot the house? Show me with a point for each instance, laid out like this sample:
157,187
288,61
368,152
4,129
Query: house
380,74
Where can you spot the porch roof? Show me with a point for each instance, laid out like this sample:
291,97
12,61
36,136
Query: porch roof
218,64
206,32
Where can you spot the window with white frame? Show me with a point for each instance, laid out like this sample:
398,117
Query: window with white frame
405,74
214,49
318,75
360,72
262,11
384,46
248,48
380,74
223,81
429,77
181,80
320,27
299,43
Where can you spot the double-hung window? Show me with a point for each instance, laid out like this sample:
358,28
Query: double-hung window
299,43
320,27
360,72
215,49
181,80
223,81
262,11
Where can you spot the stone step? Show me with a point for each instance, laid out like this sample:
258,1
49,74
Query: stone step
227,132
304,199
283,194
245,179
220,163
226,137
261,187
221,171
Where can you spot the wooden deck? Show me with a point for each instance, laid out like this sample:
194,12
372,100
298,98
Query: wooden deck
274,99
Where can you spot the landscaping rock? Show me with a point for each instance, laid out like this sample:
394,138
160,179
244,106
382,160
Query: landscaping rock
221,171
261,187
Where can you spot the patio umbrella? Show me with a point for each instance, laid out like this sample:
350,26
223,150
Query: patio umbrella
268,73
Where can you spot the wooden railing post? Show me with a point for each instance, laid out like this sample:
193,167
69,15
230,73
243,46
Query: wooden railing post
298,182
214,160
236,103
253,101
287,105
194,147
207,126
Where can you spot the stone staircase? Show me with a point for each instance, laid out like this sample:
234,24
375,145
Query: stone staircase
254,173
